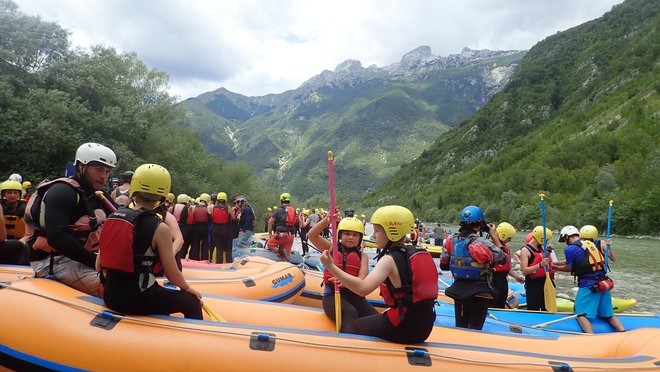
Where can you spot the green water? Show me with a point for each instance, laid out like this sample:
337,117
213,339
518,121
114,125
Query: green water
636,272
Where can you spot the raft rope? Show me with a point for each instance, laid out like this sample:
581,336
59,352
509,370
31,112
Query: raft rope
313,343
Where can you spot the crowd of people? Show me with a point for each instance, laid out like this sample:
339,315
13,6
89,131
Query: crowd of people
111,243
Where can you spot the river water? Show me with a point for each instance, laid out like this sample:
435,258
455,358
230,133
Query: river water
636,272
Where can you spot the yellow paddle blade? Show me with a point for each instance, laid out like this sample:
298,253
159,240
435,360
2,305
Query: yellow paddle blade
214,316
337,311
549,294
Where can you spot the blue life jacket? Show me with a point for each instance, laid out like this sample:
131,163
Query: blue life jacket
462,265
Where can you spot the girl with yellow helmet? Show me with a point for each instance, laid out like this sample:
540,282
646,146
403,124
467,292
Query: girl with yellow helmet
407,276
135,245
353,261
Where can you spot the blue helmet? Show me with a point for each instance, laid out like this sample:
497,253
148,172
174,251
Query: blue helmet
472,214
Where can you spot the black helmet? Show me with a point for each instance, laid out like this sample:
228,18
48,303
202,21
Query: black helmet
350,212
127,176
214,197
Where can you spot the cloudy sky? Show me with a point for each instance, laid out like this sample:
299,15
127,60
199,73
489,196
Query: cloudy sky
256,47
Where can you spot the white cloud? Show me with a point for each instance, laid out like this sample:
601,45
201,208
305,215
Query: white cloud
256,47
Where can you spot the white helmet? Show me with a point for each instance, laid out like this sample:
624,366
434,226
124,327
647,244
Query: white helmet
567,231
88,152
16,177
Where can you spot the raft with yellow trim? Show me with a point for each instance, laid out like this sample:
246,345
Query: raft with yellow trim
46,324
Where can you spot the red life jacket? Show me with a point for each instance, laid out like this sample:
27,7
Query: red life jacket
290,216
348,260
178,210
200,214
119,246
419,281
220,215
87,228
535,258
507,266
190,218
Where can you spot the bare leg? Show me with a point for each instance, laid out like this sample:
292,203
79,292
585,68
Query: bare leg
585,324
616,323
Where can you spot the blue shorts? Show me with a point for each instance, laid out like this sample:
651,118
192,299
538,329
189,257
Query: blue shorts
594,304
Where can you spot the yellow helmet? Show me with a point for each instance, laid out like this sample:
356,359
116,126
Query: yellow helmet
205,197
151,179
505,230
305,212
170,198
588,232
397,221
196,200
26,184
364,216
182,198
285,197
350,224
222,196
537,233
11,185
270,209
274,207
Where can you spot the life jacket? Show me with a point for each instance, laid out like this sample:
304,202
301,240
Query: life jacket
419,281
507,266
348,260
178,210
287,221
121,248
87,228
190,217
200,214
220,215
13,219
592,263
535,258
470,259
119,193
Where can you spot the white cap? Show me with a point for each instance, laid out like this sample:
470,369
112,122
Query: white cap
89,152
16,177
567,231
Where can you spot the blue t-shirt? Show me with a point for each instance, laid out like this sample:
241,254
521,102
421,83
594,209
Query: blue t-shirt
575,254
247,219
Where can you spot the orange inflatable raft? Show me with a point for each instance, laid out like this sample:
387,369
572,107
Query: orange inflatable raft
47,325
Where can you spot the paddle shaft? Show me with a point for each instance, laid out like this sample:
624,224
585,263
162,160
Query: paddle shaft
333,228
106,202
214,316
541,325
548,287
609,225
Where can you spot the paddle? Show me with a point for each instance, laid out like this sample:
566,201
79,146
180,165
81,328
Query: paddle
609,224
333,227
545,324
214,316
548,288
99,194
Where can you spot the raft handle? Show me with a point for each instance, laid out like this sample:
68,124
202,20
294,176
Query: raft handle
262,341
560,367
105,320
249,282
418,356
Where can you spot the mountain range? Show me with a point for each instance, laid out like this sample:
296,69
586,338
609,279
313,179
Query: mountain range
579,121
375,119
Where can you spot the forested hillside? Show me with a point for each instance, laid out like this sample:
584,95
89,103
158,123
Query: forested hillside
53,99
579,121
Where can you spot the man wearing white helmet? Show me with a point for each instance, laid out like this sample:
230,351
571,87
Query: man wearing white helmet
16,177
67,218
586,262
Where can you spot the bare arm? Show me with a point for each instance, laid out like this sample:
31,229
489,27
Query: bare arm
364,266
314,235
177,236
384,268
162,240
271,222
610,254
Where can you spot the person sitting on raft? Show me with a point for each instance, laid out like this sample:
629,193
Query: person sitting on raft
135,244
352,261
411,314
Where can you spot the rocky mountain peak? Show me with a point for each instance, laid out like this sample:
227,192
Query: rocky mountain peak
349,66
